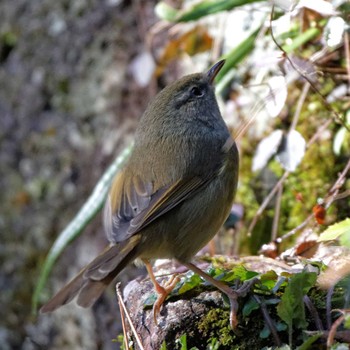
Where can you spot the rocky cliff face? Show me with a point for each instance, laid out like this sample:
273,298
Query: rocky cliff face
67,106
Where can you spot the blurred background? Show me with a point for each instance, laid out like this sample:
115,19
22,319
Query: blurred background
75,77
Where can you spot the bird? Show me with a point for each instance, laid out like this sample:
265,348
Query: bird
171,197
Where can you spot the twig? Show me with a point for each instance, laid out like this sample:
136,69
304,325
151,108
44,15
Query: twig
268,320
333,330
266,202
309,143
342,195
242,130
122,316
121,303
336,187
280,185
281,181
347,56
323,98
310,306
253,112
300,103
330,198
318,133
329,306
277,212
295,229
218,40
258,106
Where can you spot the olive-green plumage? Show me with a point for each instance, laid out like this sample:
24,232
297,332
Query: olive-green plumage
175,191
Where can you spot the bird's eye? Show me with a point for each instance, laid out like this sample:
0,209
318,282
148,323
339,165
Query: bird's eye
197,92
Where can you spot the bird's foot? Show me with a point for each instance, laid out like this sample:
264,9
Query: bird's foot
233,295
163,291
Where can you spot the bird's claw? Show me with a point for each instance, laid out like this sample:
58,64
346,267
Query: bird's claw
163,291
234,295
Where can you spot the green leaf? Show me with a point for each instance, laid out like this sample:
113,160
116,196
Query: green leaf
347,321
280,326
272,301
338,140
250,306
340,230
239,272
235,56
268,280
291,309
182,341
214,344
309,341
150,300
280,282
190,283
342,136
303,38
201,9
89,210
345,239
265,332
340,346
166,12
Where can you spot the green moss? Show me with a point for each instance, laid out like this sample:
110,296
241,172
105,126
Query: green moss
318,298
216,325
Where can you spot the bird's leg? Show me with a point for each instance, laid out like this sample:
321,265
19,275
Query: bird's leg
233,295
162,290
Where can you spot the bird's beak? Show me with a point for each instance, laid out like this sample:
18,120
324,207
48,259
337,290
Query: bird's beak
213,71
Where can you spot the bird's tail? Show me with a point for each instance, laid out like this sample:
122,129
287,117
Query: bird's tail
90,283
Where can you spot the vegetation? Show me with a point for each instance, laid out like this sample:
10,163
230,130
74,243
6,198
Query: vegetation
284,90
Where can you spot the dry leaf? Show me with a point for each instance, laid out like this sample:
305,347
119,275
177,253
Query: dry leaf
319,213
192,42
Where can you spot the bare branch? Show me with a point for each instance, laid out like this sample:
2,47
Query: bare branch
125,310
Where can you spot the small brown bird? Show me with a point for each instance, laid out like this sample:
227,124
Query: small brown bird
172,196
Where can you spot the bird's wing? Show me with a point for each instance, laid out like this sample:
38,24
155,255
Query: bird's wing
170,196
129,196
137,204
134,204
165,199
